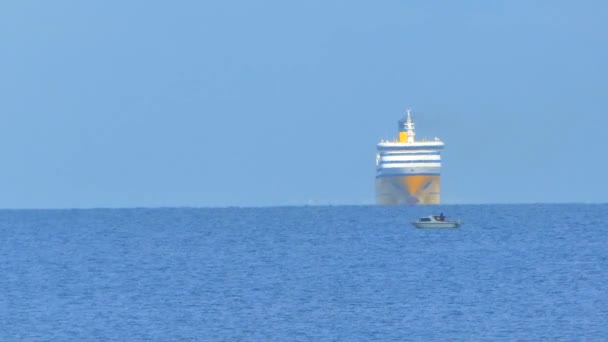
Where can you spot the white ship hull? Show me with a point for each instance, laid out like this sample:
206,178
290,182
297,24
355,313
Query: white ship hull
408,189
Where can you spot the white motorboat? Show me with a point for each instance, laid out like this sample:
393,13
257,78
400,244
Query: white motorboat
436,221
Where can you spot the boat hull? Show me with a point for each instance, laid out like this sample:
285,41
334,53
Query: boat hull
436,224
408,189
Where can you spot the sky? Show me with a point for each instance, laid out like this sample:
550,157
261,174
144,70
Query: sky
270,103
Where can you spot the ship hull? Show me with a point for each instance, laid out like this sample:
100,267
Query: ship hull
408,189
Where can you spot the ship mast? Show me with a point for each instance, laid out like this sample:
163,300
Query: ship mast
409,126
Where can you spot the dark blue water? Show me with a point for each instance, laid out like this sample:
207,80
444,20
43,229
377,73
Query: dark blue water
351,273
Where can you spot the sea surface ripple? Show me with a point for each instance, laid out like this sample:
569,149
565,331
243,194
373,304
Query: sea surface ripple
326,273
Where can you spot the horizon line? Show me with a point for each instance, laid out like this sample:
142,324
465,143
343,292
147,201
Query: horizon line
295,206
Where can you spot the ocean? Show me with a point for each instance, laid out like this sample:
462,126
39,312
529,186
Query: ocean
535,272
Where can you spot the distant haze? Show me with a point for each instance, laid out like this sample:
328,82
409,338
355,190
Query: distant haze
256,103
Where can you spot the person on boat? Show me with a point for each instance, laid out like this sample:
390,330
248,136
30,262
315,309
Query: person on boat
441,217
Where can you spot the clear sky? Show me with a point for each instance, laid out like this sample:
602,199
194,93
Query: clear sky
256,103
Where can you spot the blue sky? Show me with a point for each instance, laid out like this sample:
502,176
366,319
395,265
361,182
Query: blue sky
256,103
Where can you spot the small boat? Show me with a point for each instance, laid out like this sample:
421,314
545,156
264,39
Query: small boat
436,221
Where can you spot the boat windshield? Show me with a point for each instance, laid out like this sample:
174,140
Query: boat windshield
425,219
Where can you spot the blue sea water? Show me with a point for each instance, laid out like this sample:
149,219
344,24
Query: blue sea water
335,273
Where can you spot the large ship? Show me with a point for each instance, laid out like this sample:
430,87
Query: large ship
408,171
